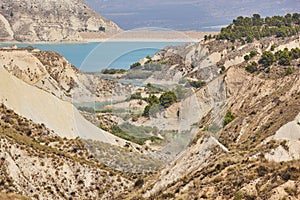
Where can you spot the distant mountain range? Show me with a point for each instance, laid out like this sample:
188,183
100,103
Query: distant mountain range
187,15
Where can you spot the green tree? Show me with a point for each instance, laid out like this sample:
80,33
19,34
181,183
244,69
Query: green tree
252,67
267,59
295,53
272,47
223,68
253,53
246,57
283,57
257,20
167,99
250,38
149,58
245,28
288,71
134,65
101,28
296,18
152,99
146,111
137,95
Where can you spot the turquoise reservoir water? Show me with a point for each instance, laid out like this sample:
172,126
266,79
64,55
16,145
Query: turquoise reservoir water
93,57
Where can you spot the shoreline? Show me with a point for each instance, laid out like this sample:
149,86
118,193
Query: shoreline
126,36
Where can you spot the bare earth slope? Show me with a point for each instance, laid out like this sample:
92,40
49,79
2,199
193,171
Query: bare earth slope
51,72
43,107
255,155
38,164
52,20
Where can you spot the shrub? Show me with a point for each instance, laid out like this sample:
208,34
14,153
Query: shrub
283,57
139,183
167,99
229,117
251,67
253,54
134,65
113,71
272,47
246,57
197,84
156,105
103,127
223,69
262,171
146,111
152,99
238,196
288,71
101,28
117,131
137,95
267,59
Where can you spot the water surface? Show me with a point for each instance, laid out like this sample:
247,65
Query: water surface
94,57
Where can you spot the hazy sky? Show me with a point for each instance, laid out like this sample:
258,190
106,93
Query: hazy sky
188,14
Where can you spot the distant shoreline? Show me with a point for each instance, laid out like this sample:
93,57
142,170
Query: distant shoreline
127,36
146,36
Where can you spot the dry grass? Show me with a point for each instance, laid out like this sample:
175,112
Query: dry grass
9,196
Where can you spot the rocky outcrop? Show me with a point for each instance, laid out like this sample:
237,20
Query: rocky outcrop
52,21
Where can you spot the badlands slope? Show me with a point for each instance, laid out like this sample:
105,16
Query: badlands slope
256,155
50,21
43,107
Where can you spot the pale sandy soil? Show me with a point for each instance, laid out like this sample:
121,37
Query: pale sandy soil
142,36
42,107
131,36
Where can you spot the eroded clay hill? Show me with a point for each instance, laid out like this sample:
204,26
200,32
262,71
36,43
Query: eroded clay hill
37,163
53,20
248,143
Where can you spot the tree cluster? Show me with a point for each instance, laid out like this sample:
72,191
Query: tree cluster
157,104
283,57
113,71
250,55
248,29
268,58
